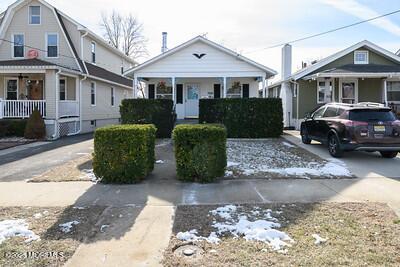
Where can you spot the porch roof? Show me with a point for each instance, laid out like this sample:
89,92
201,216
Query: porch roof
358,70
25,63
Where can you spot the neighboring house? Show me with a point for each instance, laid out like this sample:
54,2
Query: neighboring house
363,72
50,61
198,68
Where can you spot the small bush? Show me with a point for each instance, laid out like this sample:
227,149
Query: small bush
200,151
159,112
124,153
244,117
12,127
35,127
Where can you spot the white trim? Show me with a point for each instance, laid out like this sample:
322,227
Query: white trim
91,52
65,89
6,87
387,101
346,80
208,42
342,53
352,75
13,44
361,52
326,81
29,15
47,44
95,93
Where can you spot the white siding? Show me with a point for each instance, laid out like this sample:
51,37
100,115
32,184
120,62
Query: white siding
50,93
35,35
214,63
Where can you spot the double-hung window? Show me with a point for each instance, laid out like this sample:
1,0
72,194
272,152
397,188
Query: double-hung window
63,89
112,96
93,52
34,15
18,45
393,91
52,44
325,90
93,94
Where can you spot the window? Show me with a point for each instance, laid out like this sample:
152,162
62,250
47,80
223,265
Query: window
245,90
112,96
122,70
360,57
318,114
179,93
52,44
163,91
93,94
217,91
18,45
235,91
324,91
331,112
93,51
34,15
63,89
152,91
393,91
12,89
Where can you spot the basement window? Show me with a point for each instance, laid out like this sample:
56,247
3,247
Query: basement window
360,57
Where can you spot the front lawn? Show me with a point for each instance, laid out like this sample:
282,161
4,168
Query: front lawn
328,234
277,158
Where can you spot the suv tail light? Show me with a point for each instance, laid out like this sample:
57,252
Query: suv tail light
349,123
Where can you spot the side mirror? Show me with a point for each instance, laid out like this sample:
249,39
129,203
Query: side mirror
308,115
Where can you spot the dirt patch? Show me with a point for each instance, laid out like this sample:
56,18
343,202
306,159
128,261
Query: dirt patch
55,246
278,158
357,234
79,169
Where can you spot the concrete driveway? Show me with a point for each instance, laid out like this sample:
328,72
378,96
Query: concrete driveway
361,164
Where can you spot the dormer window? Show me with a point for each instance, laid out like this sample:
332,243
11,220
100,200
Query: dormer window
360,57
34,15
93,52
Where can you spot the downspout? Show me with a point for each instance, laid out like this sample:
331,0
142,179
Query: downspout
55,135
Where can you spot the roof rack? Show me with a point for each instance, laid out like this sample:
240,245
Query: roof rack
360,104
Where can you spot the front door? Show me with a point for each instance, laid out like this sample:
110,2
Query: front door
348,91
192,100
35,89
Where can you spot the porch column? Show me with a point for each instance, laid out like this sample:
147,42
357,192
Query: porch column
263,84
173,89
224,92
77,95
385,92
135,85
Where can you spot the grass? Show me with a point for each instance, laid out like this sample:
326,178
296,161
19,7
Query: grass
71,171
359,234
52,239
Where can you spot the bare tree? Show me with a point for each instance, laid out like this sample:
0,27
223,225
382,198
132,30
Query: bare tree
124,33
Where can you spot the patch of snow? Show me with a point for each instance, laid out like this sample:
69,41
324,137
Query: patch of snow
230,164
67,227
192,236
318,239
37,215
79,208
12,228
224,212
160,161
103,227
228,173
89,174
288,144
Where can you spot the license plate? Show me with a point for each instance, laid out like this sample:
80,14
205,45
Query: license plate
379,128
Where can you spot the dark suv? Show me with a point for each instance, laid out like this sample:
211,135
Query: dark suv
345,127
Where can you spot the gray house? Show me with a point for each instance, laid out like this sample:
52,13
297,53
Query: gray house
51,62
363,72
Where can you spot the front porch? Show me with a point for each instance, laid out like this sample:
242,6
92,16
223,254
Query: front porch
21,93
187,91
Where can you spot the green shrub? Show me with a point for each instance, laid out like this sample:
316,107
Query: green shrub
124,153
244,117
159,112
35,127
12,127
200,151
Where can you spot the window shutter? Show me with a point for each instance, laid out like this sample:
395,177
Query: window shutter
152,91
179,93
217,91
246,91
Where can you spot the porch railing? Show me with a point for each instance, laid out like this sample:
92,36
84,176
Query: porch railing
21,108
68,108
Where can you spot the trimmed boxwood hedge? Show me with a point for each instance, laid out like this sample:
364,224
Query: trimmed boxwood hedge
200,151
124,153
12,127
244,117
159,112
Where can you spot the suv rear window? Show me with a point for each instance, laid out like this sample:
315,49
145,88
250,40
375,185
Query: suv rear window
371,115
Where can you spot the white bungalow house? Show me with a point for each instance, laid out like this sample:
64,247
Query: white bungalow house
198,68
51,62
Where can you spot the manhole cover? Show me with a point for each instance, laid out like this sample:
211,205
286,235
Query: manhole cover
189,252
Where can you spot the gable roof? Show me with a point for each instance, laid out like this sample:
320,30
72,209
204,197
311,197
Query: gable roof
208,42
303,72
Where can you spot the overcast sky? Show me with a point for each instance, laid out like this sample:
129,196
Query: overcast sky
247,26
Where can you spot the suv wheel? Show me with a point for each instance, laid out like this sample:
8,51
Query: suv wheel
304,136
389,154
334,146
